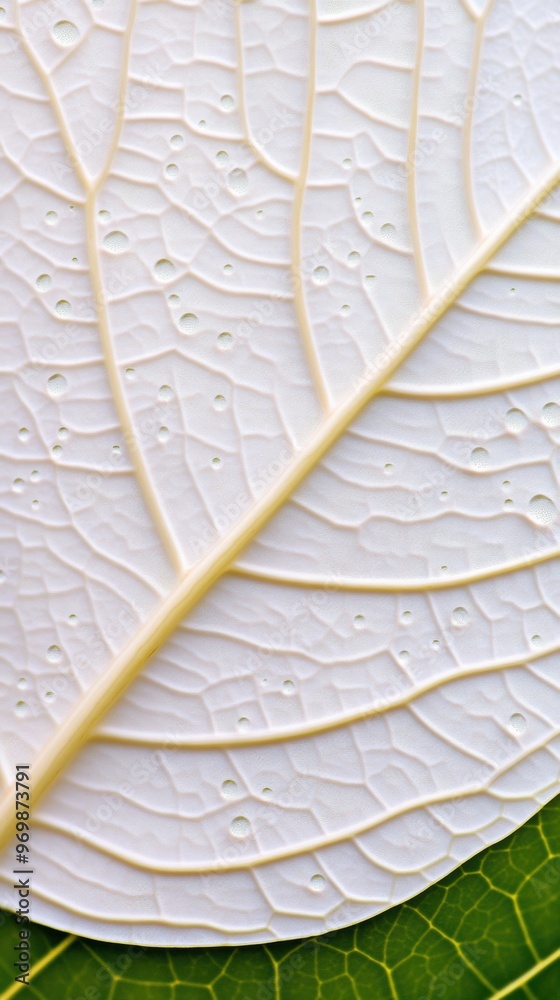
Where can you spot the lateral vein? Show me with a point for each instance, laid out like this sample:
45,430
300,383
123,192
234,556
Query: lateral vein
75,729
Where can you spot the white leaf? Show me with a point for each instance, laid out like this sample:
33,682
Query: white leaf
280,600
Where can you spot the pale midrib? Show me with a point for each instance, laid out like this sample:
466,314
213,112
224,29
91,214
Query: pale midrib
73,732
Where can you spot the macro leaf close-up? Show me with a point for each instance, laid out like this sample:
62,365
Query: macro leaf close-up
280,502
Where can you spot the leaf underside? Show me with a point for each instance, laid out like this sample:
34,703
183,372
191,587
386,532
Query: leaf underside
487,931
280,599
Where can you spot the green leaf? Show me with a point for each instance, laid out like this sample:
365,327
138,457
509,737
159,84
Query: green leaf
489,930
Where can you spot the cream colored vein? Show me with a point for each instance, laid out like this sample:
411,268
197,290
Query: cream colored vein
325,841
74,730
296,239
300,181
401,586
257,152
435,393
329,724
411,158
91,189
360,14
470,106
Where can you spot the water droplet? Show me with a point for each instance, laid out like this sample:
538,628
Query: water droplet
43,282
116,449
219,403
404,656
188,323
388,231
367,217
517,723
130,374
317,883
542,509
225,341
165,393
321,275
51,218
56,450
238,182
551,414
240,827
216,462
359,621
345,309
49,696
34,504
517,98
229,789
354,257
72,619
460,617
171,170
65,33
163,434
537,641
164,269
388,468
173,299
21,708
347,162
104,215
228,269
22,683
18,485
54,654
227,102
2,576
56,385
2,13
515,421
23,434
288,687
177,141
243,724
407,617
62,433
480,459
63,308
116,242
266,793
34,477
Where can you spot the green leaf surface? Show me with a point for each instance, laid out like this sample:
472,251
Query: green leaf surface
489,930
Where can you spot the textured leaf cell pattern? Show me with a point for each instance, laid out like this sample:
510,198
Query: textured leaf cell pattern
280,593
486,932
